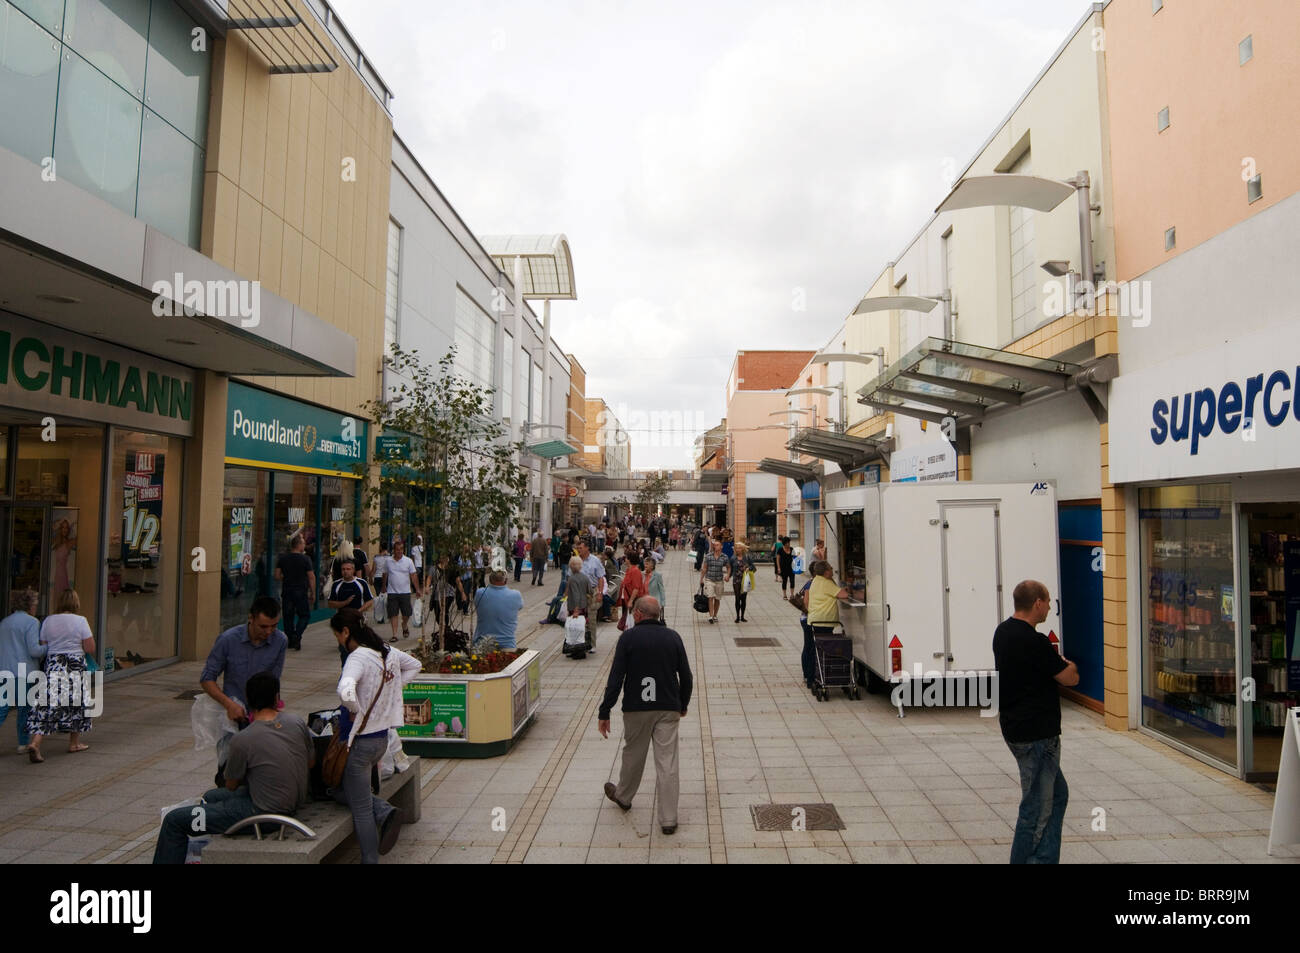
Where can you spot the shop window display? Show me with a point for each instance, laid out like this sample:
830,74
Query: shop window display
142,582
1190,606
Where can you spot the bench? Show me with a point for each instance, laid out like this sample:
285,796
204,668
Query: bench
271,839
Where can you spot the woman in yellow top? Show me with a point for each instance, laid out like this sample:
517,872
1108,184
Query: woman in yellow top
823,598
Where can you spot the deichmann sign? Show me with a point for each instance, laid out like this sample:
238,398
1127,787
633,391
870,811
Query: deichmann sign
1229,410
52,371
268,430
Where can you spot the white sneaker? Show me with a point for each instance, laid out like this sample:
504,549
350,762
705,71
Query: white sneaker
23,749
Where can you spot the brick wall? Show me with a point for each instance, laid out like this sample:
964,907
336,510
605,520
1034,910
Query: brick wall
769,370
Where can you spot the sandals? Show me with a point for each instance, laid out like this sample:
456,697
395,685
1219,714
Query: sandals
34,756
78,747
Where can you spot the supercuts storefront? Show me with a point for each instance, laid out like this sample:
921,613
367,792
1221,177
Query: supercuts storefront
290,470
1205,427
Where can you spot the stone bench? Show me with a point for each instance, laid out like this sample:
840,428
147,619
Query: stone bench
330,821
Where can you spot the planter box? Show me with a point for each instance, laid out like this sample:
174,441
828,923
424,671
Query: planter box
471,716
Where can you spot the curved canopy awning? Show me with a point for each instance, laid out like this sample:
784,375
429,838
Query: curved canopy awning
548,266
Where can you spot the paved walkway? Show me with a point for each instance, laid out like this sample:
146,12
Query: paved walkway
936,786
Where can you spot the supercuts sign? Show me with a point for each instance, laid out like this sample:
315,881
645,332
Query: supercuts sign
1229,409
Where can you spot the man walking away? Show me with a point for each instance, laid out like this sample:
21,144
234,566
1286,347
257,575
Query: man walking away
297,577
714,576
1029,709
651,671
538,553
595,573
701,546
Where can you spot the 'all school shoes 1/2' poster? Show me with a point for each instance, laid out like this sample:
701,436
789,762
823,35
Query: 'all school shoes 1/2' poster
142,509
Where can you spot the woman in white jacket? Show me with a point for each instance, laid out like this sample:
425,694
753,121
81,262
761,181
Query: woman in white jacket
372,676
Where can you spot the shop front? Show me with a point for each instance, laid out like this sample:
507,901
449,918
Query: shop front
1210,443
290,471
92,441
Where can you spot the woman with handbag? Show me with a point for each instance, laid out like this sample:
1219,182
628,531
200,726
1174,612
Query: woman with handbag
632,589
371,683
68,644
742,579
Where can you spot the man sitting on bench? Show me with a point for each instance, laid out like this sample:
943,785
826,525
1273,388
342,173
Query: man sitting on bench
266,773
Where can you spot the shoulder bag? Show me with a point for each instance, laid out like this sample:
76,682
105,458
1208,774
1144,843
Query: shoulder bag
336,755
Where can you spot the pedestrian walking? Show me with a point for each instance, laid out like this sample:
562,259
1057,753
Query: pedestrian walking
784,564
520,552
577,594
370,687
401,581
742,579
349,591
538,553
651,671
594,570
631,589
714,575
64,709
297,577
417,557
654,586
1029,669
701,546
21,652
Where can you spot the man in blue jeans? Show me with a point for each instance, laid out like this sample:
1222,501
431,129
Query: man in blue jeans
267,773
1029,710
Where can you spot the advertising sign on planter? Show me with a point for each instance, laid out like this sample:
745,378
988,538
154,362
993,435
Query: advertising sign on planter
434,710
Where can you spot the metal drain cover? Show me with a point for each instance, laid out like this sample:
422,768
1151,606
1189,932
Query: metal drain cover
755,643
793,817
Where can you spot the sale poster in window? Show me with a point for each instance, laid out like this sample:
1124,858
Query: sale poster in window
142,509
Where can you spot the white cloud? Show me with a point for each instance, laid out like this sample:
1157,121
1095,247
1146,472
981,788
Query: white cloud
705,160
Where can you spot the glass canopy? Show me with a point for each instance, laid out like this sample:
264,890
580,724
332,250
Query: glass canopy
954,379
548,266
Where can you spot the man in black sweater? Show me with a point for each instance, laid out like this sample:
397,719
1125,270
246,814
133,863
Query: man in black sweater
651,670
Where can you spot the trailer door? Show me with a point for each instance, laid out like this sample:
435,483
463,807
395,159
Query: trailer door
972,582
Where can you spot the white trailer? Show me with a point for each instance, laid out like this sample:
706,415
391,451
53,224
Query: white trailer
931,569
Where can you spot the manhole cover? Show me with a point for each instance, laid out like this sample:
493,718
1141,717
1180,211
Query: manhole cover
753,643
190,694
795,817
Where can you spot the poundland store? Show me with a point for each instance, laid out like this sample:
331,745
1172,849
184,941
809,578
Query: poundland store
1208,440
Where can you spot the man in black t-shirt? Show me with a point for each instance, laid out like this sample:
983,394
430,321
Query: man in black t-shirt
349,592
1029,709
297,575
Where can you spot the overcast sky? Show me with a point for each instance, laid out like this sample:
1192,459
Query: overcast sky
714,164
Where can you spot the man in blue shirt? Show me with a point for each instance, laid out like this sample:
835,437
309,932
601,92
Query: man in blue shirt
238,654
498,609
20,654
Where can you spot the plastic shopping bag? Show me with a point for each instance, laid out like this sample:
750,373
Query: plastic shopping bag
417,613
797,565
527,566
747,581
210,723
381,601
394,759
575,630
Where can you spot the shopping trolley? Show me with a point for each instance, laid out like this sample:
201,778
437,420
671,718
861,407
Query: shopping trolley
836,667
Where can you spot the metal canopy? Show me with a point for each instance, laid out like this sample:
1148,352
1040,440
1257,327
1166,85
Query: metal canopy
1027,191
276,31
551,449
847,452
713,477
548,266
801,473
573,473
963,381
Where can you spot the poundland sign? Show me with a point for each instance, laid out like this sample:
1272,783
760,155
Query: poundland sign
57,373
1232,409
268,430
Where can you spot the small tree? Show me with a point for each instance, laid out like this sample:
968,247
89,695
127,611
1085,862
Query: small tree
653,491
456,449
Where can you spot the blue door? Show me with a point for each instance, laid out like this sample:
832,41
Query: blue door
1081,594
